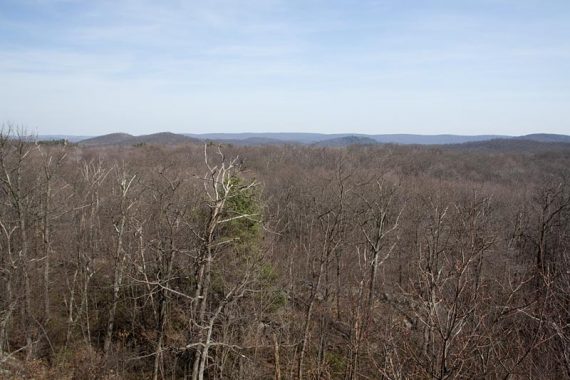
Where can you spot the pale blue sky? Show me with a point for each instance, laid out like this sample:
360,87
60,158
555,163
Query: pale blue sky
90,67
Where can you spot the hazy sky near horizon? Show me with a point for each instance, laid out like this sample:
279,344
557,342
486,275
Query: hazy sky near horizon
89,67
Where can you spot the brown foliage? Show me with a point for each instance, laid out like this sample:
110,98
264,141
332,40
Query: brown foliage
287,262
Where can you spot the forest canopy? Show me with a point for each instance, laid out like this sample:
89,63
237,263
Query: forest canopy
283,262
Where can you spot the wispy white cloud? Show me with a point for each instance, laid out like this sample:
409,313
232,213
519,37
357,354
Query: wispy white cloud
387,62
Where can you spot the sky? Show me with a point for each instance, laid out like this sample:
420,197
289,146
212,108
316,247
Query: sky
89,67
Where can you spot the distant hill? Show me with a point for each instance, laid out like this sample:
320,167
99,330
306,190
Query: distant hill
162,138
110,139
252,141
431,139
318,139
346,141
515,145
545,137
313,138
70,138
284,137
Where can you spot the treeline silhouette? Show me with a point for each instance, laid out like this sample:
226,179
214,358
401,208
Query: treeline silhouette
283,262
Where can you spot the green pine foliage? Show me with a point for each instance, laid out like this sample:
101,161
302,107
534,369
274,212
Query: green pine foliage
244,204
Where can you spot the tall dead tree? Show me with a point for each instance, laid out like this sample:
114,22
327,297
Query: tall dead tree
378,219
120,254
15,153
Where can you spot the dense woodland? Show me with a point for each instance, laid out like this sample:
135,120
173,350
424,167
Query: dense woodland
283,262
